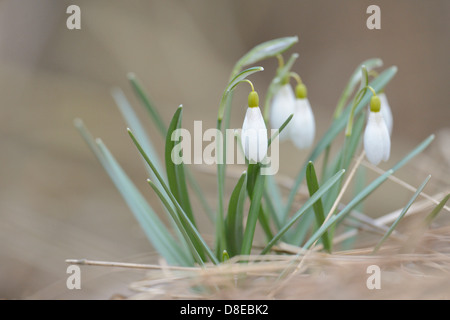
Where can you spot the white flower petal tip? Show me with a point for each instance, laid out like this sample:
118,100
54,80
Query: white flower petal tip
282,107
303,126
377,142
254,136
386,112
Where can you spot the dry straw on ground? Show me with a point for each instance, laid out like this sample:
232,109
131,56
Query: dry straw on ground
414,262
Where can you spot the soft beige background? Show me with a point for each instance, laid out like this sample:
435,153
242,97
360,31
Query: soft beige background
56,202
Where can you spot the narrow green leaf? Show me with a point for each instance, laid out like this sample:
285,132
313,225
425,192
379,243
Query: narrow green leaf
196,238
313,186
136,85
257,192
235,215
335,218
402,214
308,204
266,50
135,124
343,160
278,132
433,214
155,230
175,172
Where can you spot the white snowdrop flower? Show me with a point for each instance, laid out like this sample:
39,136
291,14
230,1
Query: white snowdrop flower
386,112
254,132
303,127
377,141
282,107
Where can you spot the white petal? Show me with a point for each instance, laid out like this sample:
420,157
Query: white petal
303,126
254,135
282,107
386,112
377,142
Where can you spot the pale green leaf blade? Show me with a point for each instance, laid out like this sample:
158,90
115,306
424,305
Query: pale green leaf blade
234,220
308,204
266,50
142,95
401,215
313,186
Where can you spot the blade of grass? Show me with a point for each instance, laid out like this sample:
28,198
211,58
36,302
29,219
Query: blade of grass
308,204
401,215
313,186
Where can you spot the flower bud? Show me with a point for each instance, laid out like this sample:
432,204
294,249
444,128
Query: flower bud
254,132
282,107
377,142
303,127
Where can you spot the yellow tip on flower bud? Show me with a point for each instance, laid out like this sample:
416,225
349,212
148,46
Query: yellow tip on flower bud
375,104
300,91
253,100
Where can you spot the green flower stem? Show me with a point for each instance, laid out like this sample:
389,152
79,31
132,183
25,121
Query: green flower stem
275,85
354,79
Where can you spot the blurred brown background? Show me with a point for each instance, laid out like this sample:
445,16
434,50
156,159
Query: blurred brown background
56,202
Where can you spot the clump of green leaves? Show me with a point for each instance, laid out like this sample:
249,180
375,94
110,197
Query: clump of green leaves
235,228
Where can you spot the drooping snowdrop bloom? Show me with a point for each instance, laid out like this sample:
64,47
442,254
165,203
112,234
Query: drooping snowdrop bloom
282,107
254,132
377,141
303,128
386,112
